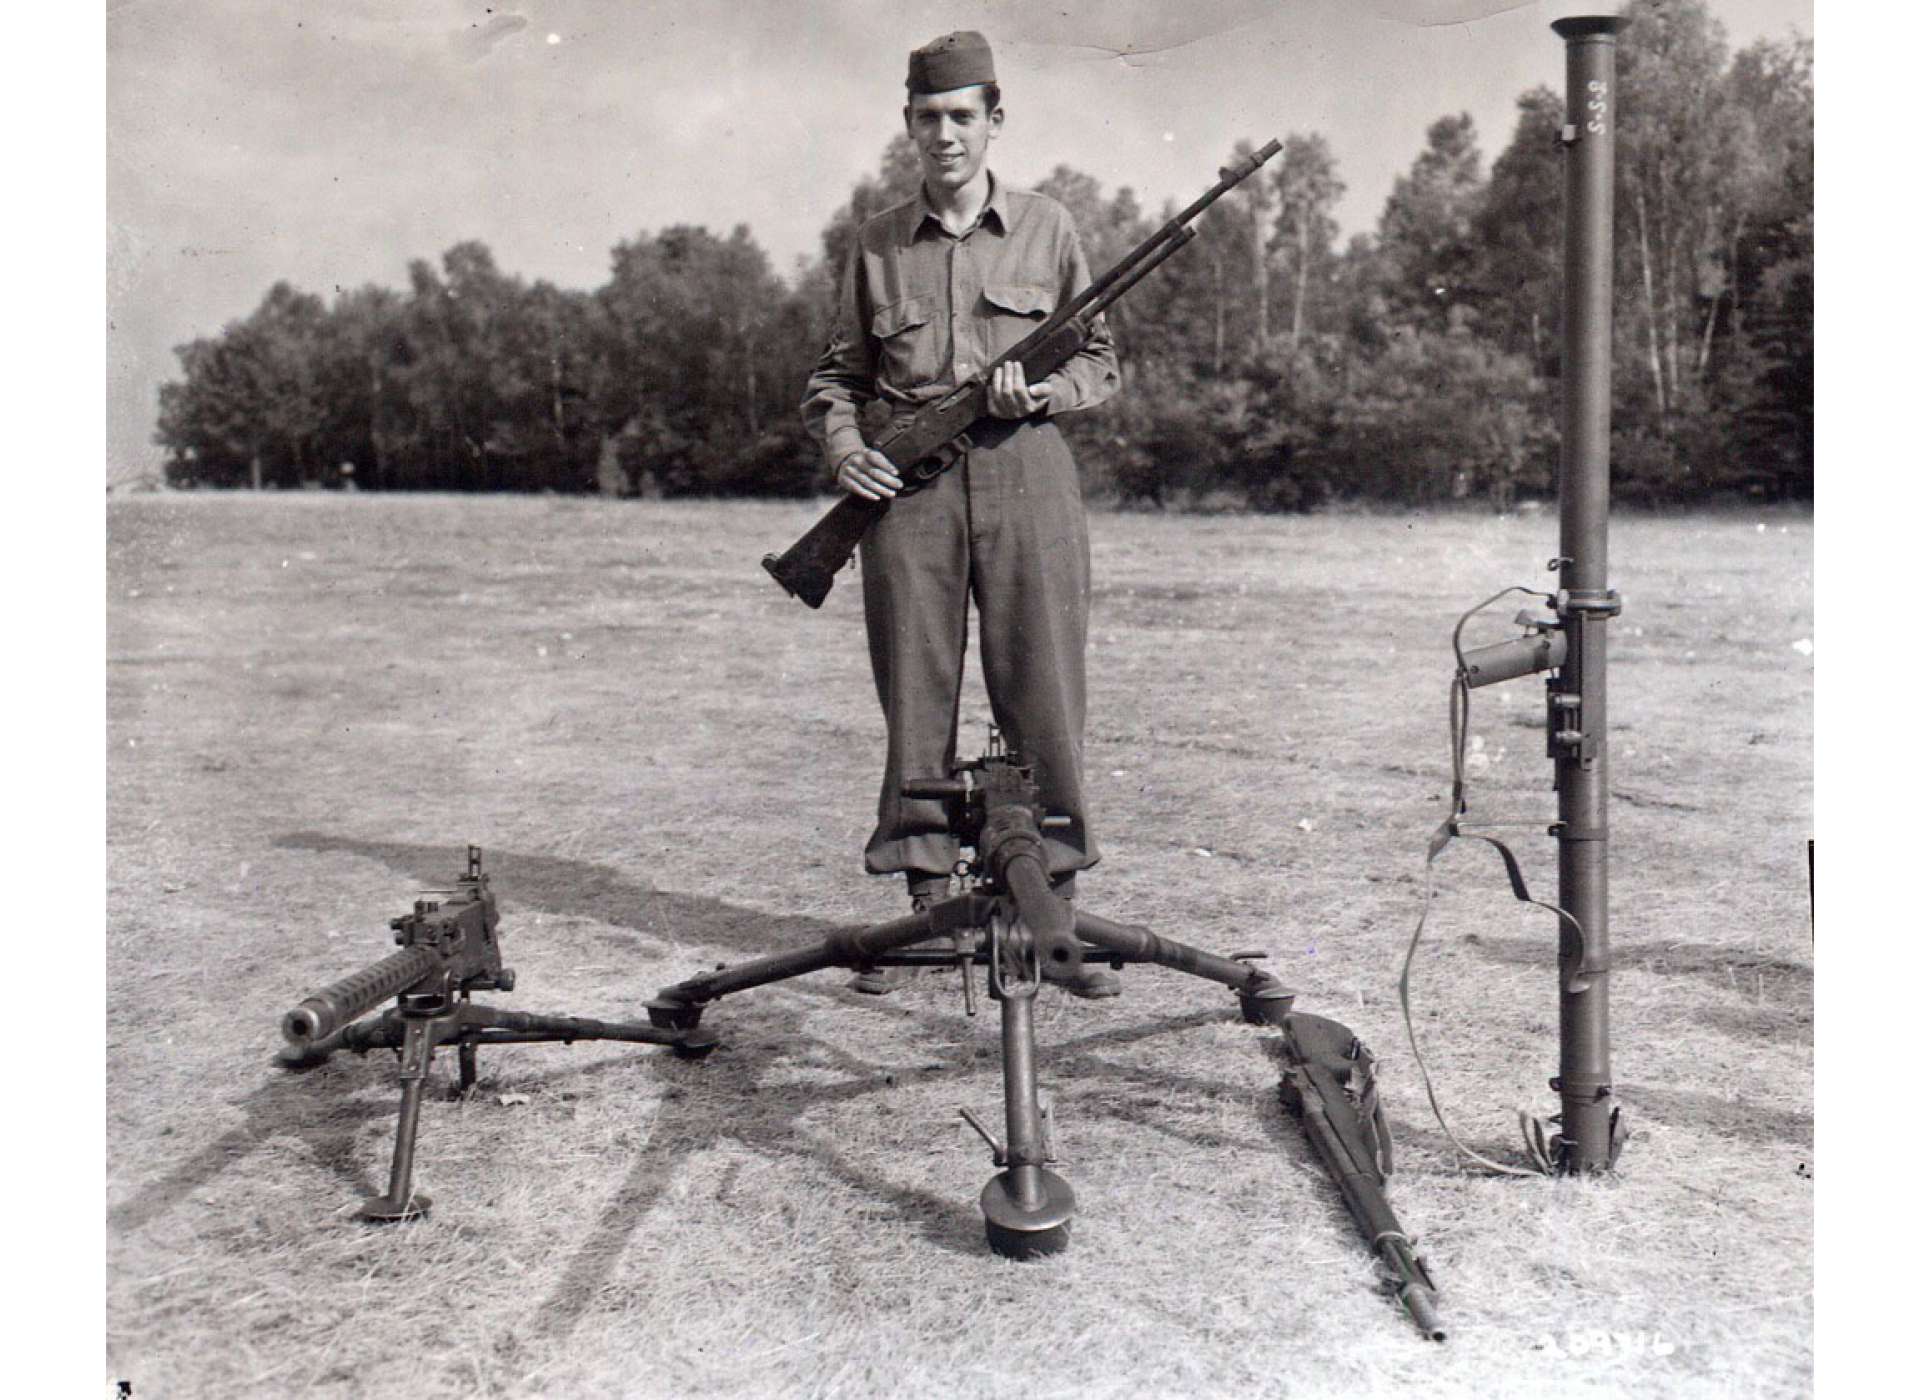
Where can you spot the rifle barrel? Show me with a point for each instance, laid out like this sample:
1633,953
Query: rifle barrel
1230,176
1415,1295
1367,1203
1124,284
1046,348
807,568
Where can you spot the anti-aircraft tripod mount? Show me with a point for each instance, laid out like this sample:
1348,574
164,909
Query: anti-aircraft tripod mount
1012,923
449,949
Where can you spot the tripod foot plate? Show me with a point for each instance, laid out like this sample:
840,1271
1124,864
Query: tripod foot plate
1266,1005
672,1014
386,1210
1015,1231
695,1045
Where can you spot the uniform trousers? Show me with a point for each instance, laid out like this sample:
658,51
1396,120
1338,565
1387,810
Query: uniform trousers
1006,528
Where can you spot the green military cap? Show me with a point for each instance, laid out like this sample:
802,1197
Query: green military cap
952,61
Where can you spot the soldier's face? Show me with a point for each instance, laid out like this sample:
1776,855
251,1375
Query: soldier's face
951,131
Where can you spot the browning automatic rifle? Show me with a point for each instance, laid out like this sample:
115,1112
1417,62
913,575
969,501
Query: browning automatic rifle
928,441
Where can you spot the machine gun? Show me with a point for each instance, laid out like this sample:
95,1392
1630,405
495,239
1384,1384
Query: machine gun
1327,1084
928,441
449,949
993,806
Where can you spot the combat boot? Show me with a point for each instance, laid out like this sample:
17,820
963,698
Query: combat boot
924,892
1091,983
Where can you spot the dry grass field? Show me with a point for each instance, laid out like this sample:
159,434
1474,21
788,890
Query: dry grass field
314,702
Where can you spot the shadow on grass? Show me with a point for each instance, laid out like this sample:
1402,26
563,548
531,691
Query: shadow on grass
324,1107
319,1107
1140,1094
735,1104
1686,1111
1741,970
1761,1022
726,1099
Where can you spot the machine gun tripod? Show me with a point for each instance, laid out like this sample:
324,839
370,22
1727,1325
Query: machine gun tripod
450,949
1011,923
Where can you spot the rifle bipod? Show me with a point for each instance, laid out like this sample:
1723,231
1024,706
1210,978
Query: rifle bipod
450,949
1031,934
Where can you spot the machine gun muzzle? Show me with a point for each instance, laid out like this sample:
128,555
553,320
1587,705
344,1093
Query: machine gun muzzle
339,1003
998,812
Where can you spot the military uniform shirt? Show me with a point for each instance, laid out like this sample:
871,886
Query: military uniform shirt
922,309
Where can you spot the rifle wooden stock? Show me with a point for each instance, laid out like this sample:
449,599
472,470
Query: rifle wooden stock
926,442
806,570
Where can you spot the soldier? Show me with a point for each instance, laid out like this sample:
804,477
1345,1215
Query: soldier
936,288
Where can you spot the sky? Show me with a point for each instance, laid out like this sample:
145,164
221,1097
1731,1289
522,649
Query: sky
249,141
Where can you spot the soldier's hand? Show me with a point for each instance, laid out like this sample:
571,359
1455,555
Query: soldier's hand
1010,396
867,473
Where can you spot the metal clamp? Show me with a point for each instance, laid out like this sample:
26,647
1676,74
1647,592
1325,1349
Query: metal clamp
1587,602
1003,949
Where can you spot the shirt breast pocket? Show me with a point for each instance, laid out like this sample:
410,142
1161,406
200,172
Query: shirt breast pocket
1014,310
909,339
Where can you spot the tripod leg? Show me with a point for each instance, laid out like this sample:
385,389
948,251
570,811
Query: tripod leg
1264,999
493,1026
416,1057
1029,1209
679,1007
469,1052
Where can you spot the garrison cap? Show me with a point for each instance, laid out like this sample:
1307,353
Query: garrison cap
955,60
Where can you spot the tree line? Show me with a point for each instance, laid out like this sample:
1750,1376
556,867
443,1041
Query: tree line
1266,365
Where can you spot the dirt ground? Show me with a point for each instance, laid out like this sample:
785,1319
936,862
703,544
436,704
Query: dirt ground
314,702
